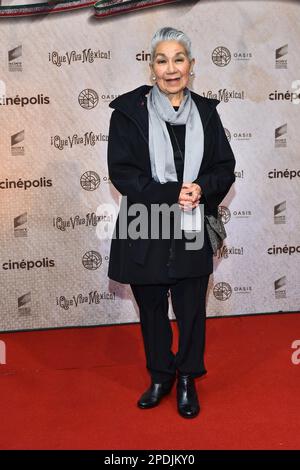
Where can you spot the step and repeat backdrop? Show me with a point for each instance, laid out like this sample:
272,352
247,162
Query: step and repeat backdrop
61,65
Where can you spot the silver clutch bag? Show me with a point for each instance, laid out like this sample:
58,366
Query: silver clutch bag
216,231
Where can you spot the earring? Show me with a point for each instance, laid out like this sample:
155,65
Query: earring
192,73
154,77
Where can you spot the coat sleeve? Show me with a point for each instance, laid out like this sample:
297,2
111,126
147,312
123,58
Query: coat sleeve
219,175
127,171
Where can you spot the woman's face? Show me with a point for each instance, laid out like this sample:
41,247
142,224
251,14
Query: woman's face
171,67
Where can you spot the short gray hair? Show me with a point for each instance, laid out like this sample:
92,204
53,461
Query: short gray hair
170,34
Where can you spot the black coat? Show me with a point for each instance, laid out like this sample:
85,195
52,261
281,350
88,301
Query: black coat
149,261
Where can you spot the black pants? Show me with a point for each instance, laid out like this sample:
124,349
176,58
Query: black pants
188,298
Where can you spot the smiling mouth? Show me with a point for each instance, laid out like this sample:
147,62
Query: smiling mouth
172,79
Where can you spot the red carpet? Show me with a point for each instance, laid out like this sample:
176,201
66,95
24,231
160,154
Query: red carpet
77,389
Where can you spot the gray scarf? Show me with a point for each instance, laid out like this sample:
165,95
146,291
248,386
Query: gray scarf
163,167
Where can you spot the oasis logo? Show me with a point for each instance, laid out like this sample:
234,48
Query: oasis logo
279,213
279,288
222,291
24,308
88,98
14,59
228,135
15,141
241,214
20,225
221,56
84,56
241,136
92,260
280,141
281,63
225,214
90,180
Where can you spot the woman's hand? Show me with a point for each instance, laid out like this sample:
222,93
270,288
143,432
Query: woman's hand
189,196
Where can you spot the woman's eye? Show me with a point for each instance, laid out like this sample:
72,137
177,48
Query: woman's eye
163,61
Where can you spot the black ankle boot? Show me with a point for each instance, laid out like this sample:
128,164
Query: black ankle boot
155,393
187,399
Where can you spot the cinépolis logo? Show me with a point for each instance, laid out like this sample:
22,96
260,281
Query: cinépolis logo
22,101
92,298
27,265
70,141
89,220
84,56
283,250
292,96
42,182
287,173
143,56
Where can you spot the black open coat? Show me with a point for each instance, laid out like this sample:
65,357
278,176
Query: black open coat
149,261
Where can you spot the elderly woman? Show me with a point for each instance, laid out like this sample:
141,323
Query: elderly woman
167,146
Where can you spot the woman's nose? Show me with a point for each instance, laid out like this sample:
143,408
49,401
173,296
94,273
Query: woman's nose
171,67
